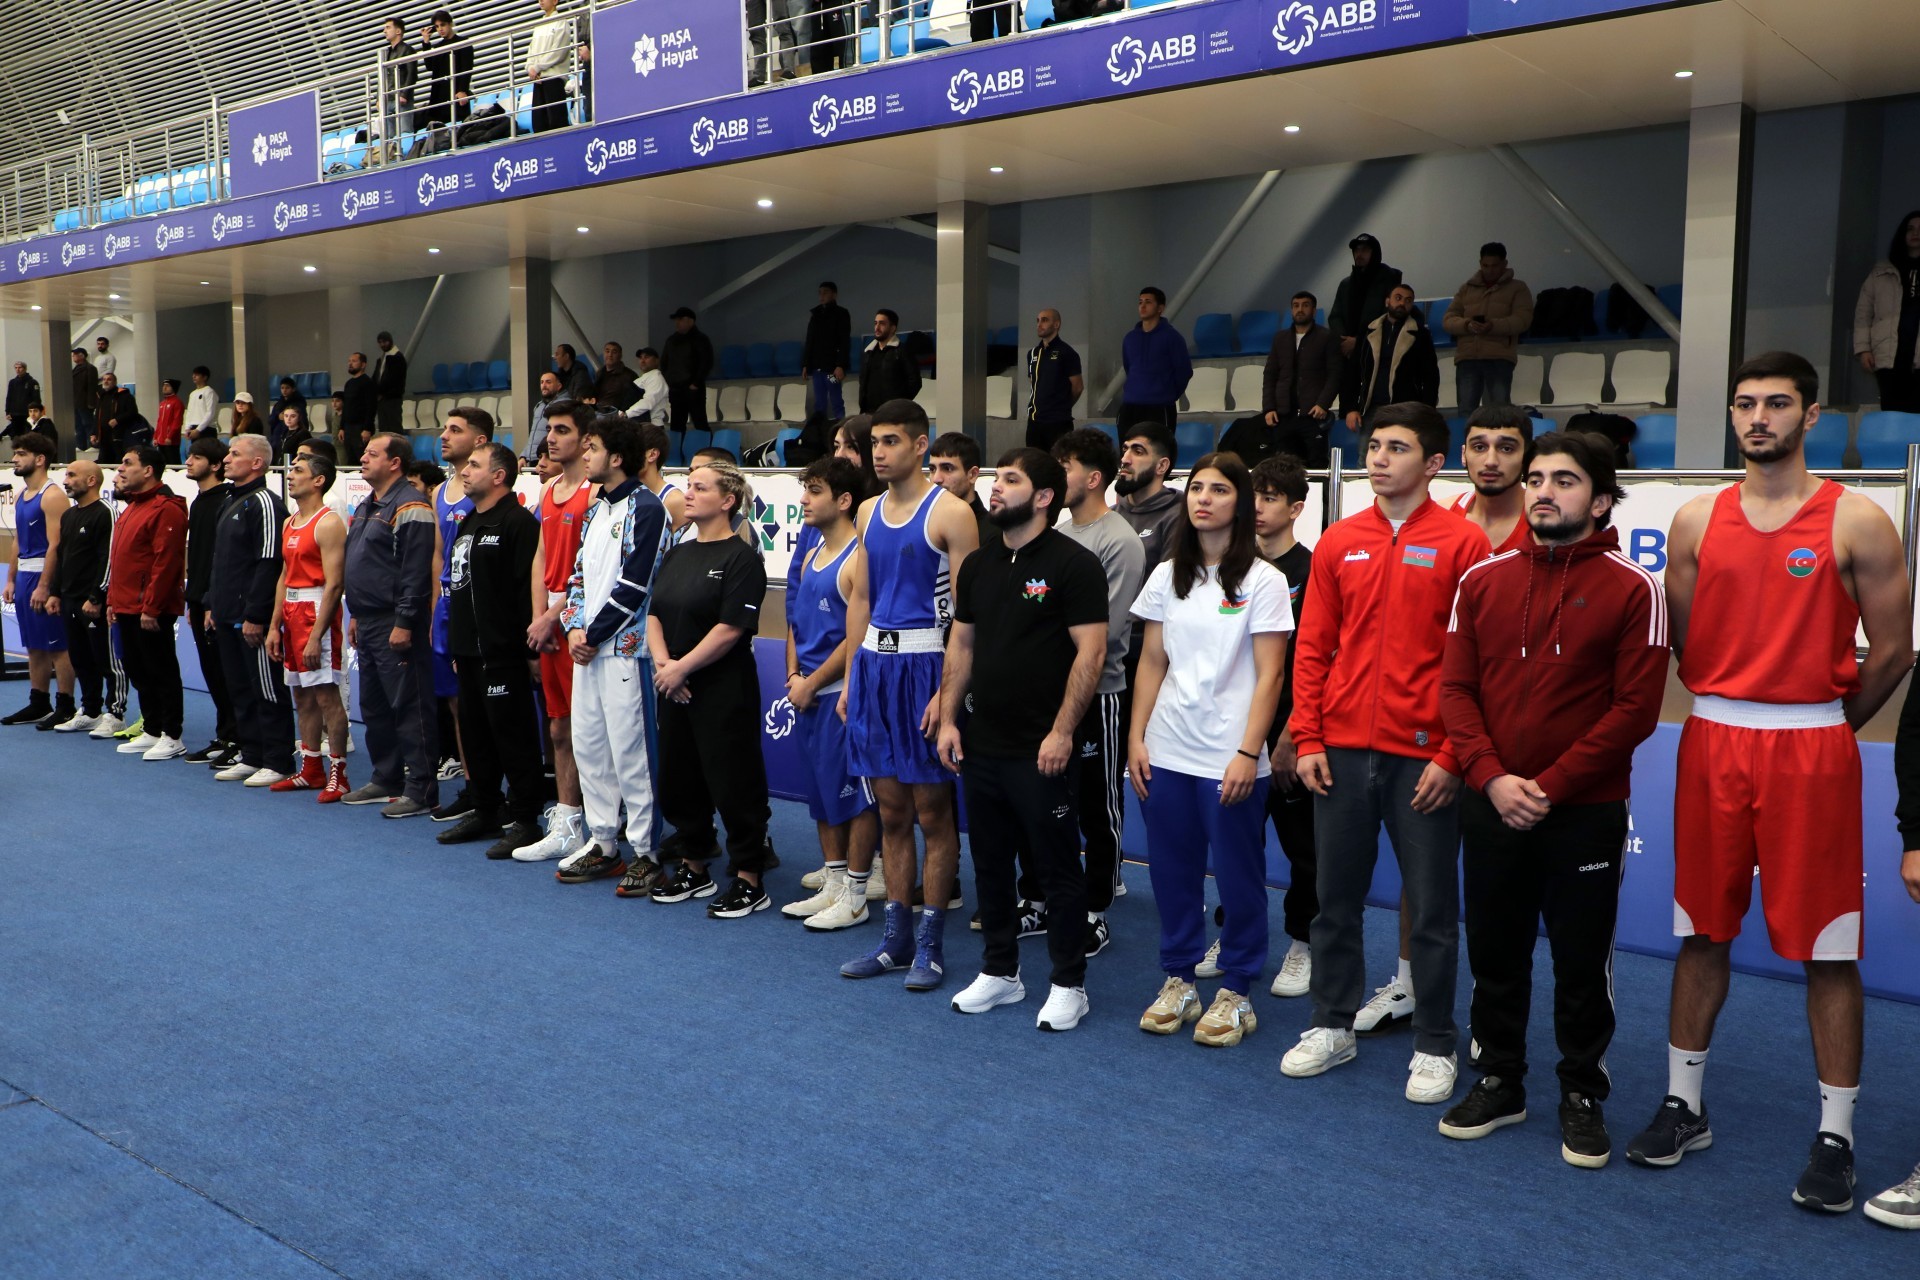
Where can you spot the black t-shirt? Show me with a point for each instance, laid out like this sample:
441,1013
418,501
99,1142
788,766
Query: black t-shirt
1294,565
1050,371
490,604
1020,604
702,585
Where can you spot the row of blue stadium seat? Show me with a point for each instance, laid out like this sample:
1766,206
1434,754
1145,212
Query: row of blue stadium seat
475,375
778,359
314,386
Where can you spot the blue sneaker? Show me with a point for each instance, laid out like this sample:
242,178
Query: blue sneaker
929,961
895,946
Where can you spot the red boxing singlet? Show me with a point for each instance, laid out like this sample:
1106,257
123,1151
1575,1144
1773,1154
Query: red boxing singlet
1771,620
1518,539
560,524
301,548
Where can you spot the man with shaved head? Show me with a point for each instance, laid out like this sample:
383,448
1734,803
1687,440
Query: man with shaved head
78,590
1055,382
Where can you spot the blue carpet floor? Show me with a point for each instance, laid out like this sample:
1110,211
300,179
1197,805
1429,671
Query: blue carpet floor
246,1036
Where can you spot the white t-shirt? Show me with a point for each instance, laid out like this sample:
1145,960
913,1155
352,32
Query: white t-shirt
1200,716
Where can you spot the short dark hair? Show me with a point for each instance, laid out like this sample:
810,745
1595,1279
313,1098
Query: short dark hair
568,348
1781,364
398,445
341,396
1158,435
839,475
322,446
618,436
1154,291
383,335
1493,249
427,472
477,418
1428,427
500,458
171,384
104,340
616,346
149,458
828,284
289,382
37,405
956,444
572,410
893,317
212,448
35,443
901,413
1092,449
441,15
204,372
652,437
712,453
1040,467
1304,294
1281,473
321,466
1502,417
1593,453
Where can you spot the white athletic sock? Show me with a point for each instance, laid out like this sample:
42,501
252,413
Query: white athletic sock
1686,1074
857,880
565,810
1405,976
1836,1110
836,866
1300,948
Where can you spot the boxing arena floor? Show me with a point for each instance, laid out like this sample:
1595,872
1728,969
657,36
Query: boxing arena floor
243,1036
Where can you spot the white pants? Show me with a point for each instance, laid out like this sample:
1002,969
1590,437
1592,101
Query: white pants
610,749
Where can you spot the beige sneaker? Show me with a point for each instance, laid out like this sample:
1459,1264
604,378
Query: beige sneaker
1227,1022
829,888
815,879
1177,1004
877,882
845,911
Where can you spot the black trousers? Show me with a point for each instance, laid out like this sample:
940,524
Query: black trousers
209,650
1015,810
549,103
1164,414
386,414
1100,751
1567,870
153,665
1899,389
1292,814
710,760
1041,435
990,18
262,705
502,732
90,648
687,405
1305,437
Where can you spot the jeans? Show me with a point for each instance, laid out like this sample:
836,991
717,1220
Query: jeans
1483,382
828,397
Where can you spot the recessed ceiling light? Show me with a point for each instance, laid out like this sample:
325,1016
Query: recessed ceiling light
1292,128
309,268
433,251
1683,75
583,230
206,282
764,203
34,307
996,168
113,297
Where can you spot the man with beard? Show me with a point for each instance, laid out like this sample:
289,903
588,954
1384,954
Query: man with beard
1499,446
206,464
1768,774
35,564
1299,382
1394,361
358,407
1544,717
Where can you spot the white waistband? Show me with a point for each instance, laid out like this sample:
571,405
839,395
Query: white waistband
33,564
555,597
1769,715
918,640
305,595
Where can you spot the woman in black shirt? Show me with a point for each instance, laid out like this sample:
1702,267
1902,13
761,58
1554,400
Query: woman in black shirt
706,608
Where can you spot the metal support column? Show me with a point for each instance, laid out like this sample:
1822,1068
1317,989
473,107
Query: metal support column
420,325
529,337
960,317
1713,277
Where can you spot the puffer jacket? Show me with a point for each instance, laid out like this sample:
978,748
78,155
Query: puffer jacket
1507,304
1876,316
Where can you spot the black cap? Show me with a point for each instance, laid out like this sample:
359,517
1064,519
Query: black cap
1364,239
683,311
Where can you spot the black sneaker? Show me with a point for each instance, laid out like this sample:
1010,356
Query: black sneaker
55,718
685,883
1827,1182
475,826
1583,1132
1491,1104
29,714
1098,936
643,876
459,806
206,754
1675,1130
740,899
595,864
1033,918
518,835
228,757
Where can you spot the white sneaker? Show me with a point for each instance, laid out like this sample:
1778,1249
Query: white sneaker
831,885
1064,1008
1389,1004
78,722
564,833
108,725
264,777
1898,1206
846,910
1430,1077
877,882
1320,1049
1296,972
165,749
986,992
815,879
1209,966
138,746
238,771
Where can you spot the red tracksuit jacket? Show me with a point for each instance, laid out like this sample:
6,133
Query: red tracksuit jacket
1366,662
1556,665
147,571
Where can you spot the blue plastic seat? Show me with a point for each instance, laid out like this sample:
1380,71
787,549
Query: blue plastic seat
1826,444
1340,437
1457,434
442,383
782,438
1436,311
1106,429
760,360
1669,295
904,37
1884,436
787,358
226,391
725,438
733,361
1195,440
456,377
424,448
1653,443
322,385
477,379
1258,329
1213,335
499,375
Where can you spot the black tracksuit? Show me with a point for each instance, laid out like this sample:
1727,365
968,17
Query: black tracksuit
246,568
489,609
80,577
686,361
203,517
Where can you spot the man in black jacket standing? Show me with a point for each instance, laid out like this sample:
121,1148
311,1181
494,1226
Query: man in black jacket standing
389,383
829,348
357,411
398,70
117,415
246,568
86,396
1359,300
686,360
1302,377
887,372
449,72
1395,362
206,459
22,390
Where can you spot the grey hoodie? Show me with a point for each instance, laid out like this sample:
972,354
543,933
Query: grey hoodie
1153,519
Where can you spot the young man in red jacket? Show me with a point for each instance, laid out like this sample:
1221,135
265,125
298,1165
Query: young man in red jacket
168,416
1556,664
146,592
1372,747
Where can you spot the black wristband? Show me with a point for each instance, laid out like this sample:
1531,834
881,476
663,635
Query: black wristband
1248,754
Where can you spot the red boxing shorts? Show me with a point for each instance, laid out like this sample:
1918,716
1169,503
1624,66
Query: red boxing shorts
297,626
1775,788
556,683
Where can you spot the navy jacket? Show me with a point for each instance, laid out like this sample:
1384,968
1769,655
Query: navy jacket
1158,369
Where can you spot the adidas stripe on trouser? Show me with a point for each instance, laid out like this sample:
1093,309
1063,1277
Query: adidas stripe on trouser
612,729
262,711
1100,746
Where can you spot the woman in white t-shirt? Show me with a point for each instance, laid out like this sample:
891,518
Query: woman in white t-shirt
1211,665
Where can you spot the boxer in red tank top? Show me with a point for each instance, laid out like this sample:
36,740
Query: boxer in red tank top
1766,582
304,635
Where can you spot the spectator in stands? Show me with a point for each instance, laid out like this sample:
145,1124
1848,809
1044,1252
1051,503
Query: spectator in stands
105,362
1886,320
585,53
547,55
1488,315
357,410
245,421
614,388
397,74
832,35
773,25
117,416
1362,296
989,18
336,412
22,390
1054,383
167,417
203,407
290,398
651,386
37,421
686,359
828,350
389,382
887,372
86,395
290,431
537,431
1303,375
1396,363
449,71
576,379
1158,368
